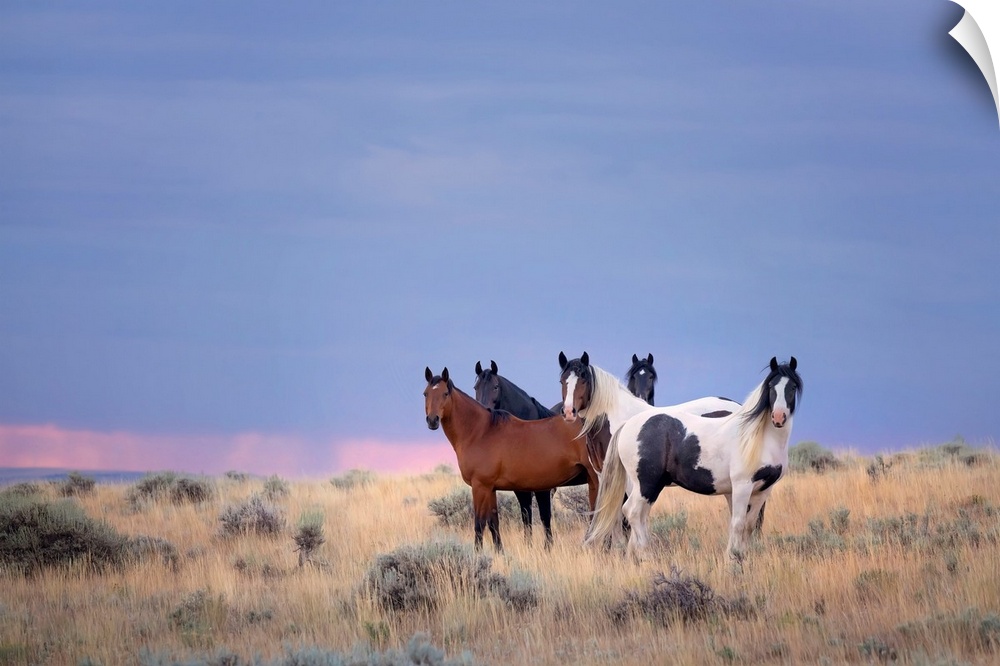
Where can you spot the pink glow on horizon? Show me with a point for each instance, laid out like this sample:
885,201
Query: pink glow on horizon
252,452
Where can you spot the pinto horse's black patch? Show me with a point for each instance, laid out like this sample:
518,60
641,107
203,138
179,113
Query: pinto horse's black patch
718,414
769,474
669,455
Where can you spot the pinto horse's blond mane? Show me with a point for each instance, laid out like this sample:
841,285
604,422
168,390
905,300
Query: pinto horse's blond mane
605,397
751,429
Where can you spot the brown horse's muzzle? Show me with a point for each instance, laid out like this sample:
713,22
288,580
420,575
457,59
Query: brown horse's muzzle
433,421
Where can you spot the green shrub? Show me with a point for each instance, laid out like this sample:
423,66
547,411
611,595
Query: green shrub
252,516
575,500
806,456
192,490
76,484
414,578
275,488
151,487
36,534
355,478
199,616
23,489
668,528
455,508
170,486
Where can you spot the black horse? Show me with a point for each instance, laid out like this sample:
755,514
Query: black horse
497,392
641,378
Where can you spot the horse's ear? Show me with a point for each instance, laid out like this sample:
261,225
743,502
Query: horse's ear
562,361
774,363
444,375
635,359
792,363
585,359
493,366
428,375
649,358
479,368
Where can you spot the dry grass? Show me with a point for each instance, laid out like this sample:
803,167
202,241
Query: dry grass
903,567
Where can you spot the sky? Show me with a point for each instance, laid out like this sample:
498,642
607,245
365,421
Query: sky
233,235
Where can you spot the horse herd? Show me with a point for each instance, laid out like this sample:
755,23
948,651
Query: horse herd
607,434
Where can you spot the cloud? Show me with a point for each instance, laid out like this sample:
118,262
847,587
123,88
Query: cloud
257,453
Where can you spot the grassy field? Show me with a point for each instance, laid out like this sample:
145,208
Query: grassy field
895,559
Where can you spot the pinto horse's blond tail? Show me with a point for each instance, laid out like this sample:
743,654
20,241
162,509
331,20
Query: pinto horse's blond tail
607,519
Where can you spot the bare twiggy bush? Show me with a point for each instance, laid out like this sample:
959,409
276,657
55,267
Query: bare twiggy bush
252,516
678,597
309,536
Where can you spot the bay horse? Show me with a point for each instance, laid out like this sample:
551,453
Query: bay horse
740,455
495,391
497,451
641,378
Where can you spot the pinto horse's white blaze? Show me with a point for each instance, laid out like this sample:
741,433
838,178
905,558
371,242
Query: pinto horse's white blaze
739,454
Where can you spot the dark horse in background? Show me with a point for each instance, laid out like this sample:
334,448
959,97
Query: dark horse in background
497,451
641,378
495,391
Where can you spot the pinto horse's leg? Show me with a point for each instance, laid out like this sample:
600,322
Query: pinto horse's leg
544,498
626,527
636,512
739,520
759,526
524,501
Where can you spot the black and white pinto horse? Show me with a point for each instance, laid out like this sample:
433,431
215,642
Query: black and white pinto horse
499,393
641,378
740,455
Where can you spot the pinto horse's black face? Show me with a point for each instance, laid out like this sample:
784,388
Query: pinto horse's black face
437,397
487,385
577,381
642,378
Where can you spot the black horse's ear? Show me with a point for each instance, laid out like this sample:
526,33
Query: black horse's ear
585,359
774,363
793,363
479,368
649,358
444,375
428,375
563,361
635,359
493,366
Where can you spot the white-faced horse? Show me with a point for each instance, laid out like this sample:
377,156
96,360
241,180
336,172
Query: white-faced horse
740,455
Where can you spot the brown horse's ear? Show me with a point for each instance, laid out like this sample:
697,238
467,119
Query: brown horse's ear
585,359
428,375
635,359
493,366
444,375
793,363
649,358
479,368
563,361
774,363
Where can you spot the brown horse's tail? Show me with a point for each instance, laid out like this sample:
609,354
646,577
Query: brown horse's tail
607,519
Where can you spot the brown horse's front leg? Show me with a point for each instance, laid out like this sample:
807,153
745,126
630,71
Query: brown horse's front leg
484,504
